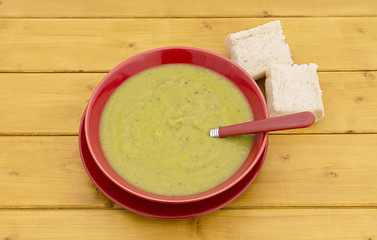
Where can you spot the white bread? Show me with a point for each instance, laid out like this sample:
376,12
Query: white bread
256,49
291,89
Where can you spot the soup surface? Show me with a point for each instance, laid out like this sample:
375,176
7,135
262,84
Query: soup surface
155,127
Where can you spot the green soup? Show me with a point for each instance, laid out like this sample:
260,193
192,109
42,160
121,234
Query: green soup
154,129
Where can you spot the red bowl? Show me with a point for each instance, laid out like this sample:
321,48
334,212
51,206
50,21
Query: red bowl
170,55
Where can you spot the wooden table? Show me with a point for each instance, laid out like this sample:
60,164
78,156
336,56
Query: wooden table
317,183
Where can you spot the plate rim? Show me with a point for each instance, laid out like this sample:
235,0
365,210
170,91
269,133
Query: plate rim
234,196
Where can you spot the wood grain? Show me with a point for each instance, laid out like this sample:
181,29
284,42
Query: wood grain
194,8
98,45
44,103
300,224
300,170
44,171
54,103
316,170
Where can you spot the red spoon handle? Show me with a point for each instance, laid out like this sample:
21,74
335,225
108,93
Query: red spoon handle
290,121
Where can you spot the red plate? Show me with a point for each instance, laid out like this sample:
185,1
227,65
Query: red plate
156,209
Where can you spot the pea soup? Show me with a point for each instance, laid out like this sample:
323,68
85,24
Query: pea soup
154,129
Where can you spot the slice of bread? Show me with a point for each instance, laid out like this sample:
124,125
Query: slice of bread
256,49
291,89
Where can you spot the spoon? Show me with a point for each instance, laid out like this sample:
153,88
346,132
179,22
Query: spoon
290,121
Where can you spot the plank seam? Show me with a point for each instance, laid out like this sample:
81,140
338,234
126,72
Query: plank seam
194,17
106,71
34,208
273,134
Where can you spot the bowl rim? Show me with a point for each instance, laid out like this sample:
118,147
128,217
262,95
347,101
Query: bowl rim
162,198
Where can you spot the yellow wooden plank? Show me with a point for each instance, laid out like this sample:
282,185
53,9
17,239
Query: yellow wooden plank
44,103
54,103
45,45
292,224
316,170
194,8
300,170
45,171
